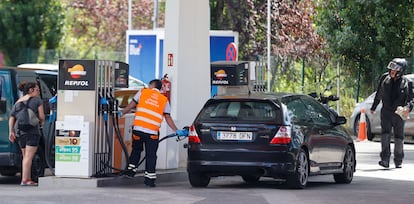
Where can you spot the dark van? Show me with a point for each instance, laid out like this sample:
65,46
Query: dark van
10,77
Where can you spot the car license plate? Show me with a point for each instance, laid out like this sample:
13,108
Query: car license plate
234,135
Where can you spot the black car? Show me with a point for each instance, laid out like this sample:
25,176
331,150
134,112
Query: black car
279,135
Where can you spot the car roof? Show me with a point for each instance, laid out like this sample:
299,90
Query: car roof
28,70
258,95
51,67
411,76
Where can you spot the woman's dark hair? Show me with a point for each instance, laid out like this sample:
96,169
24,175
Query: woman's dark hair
26,86
157,83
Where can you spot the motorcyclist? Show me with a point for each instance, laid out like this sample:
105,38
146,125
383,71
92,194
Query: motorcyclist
394,92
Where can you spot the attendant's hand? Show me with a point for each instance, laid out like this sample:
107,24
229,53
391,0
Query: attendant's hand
182,132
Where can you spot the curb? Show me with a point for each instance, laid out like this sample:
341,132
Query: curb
163,176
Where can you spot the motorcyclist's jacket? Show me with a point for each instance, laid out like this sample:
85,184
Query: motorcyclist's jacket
150,110
393,93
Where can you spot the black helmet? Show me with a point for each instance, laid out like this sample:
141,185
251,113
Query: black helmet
398,64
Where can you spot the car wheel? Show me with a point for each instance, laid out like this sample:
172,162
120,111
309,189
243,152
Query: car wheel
38,167
198,179
349,167
370,135
300,177
251,178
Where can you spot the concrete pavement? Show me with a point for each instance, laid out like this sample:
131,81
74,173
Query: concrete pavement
368,157
367,166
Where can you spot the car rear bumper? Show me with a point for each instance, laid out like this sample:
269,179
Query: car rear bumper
221,163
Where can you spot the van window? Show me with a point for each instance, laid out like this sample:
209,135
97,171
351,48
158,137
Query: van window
50,82
3,100
48,85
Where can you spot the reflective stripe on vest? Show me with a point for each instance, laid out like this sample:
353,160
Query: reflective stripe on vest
150,109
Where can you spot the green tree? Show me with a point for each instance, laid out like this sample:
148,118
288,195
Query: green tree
366,34
93,25
28,25
293,36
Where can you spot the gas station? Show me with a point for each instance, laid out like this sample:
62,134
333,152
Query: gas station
89,143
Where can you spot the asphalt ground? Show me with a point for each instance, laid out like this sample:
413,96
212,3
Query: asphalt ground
371,184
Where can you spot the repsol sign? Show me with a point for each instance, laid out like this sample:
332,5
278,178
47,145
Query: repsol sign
76,75
76,83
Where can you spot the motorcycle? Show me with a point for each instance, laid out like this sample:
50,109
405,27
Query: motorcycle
324,100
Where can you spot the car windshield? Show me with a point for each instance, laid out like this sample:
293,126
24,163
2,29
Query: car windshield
239,110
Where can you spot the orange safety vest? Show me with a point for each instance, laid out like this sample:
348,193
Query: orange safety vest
150,109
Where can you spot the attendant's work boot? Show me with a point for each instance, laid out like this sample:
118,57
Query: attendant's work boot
384,164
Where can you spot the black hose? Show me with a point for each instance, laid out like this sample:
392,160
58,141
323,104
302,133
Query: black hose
49,144
104,109
50,132
115,122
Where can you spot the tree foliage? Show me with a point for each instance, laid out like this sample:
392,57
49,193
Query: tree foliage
292,32
101,24
291,25
29,24
367,33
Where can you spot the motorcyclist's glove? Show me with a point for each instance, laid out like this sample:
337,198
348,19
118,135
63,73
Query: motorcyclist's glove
181,132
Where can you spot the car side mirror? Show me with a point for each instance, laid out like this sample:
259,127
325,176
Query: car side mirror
340,120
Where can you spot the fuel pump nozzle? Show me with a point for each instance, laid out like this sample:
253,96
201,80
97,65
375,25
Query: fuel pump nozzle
104,104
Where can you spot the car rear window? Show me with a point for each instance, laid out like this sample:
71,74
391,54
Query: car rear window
239,110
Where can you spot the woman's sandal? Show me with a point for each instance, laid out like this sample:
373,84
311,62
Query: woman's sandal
29,183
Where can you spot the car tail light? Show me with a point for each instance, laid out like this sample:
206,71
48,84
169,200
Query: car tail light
282,136
192,135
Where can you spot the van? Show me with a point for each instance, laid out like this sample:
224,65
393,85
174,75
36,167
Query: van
10,77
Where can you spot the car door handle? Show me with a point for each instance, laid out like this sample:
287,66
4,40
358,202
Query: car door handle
321,132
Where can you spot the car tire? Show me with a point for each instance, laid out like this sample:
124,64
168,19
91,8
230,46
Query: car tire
349,167
251,178
299,179
370,135
38,165
198,179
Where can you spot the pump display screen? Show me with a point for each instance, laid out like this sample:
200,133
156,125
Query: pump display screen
121,75
229,74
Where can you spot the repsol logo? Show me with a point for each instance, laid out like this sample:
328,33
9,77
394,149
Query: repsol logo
220,82
76,83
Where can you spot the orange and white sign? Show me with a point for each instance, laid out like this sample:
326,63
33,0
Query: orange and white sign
170,59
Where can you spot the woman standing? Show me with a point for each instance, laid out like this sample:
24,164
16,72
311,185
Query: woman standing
28,140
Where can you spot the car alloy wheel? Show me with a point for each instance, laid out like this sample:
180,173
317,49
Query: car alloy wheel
349,167
300,177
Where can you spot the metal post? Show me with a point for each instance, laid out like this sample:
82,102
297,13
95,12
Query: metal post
303,75
338,86
359,81
268,46
129,14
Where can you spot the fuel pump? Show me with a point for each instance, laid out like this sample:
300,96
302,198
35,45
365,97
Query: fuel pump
85,122
86,119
